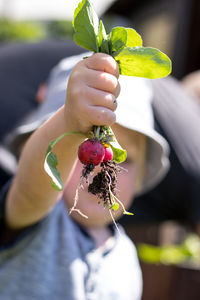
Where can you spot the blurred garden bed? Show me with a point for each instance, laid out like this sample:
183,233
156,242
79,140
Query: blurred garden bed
170,282
169,255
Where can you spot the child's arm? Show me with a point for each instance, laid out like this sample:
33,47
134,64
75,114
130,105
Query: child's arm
92,90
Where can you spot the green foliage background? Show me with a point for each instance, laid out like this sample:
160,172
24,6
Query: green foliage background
16,31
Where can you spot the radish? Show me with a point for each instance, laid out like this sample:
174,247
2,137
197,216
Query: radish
91,151
108,154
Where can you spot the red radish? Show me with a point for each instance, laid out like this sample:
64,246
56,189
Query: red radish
108,154
91,151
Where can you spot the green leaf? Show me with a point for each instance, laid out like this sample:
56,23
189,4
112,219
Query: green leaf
173,254
118,38
149,253
143,62
102,34
119,154
128,213
134,39
102,40
86,26
169,254
105,47
50,165
115,206
51,162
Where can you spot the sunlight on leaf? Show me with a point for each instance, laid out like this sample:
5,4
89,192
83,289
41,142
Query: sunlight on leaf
143,62
118,38
119,154
50,165
134,39
128,213
115,206
102,39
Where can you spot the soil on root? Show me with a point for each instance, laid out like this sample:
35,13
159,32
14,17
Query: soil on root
87,169
105,181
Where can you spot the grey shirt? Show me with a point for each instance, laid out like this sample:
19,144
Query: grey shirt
56,259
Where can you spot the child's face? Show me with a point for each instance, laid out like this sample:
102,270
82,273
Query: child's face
98,215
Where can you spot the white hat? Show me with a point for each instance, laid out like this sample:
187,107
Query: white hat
134,111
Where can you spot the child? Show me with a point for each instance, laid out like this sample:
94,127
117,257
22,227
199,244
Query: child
51,255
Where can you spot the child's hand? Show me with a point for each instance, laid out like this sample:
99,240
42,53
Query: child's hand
92,91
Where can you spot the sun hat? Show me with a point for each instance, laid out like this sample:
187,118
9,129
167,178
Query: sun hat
134,111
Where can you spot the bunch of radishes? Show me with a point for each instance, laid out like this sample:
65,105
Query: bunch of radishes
92,151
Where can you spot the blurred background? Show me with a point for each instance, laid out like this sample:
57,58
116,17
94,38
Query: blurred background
169,253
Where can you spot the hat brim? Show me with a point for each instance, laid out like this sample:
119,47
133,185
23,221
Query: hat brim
157,161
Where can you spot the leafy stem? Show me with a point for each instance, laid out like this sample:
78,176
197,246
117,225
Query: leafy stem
51,162
124,44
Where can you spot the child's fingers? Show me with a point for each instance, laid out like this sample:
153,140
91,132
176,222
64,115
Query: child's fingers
91,95
94,107
102,62
99,116
97,97
102,81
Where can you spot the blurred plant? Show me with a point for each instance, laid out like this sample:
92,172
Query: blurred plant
187,251
20,31
13,31
60,29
